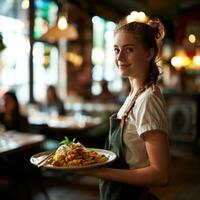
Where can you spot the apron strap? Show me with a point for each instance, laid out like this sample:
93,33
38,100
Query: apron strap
140,91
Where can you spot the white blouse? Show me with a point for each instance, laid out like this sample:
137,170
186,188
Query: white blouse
149,113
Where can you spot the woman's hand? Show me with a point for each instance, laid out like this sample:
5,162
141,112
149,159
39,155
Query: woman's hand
156,174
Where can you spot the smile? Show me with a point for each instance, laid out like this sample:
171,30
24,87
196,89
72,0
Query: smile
123,66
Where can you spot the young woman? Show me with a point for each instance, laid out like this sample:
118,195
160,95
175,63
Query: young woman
138,132
11,117
53,103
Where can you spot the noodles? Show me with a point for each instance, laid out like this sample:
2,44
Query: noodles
76,154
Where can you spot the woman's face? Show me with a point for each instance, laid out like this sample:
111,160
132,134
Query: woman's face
50,93
9,104
131,58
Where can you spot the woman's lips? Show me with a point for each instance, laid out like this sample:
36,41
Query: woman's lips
123,66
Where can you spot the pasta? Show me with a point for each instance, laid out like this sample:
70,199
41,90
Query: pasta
76,154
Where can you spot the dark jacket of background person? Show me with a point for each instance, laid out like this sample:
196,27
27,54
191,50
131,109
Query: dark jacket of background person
10,117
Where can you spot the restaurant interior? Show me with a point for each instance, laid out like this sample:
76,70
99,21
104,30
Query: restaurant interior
66,46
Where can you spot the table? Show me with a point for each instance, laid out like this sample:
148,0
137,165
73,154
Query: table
65,122
90,130
15,167
12,141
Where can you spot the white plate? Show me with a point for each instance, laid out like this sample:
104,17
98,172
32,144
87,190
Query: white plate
35,159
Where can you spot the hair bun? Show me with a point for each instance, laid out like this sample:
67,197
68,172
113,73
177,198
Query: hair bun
158,28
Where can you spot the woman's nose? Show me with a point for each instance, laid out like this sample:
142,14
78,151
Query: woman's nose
120,56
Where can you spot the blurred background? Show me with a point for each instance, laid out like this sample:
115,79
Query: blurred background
68,44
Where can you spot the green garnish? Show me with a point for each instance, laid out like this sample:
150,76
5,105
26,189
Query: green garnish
67,142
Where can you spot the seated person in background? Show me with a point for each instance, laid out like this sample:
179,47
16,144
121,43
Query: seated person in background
10,117
53,103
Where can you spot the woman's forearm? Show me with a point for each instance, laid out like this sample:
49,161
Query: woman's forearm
147,176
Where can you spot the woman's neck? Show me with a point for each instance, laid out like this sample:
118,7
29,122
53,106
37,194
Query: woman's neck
135,85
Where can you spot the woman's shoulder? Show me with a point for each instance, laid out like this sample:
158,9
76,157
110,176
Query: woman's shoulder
151,97
151,94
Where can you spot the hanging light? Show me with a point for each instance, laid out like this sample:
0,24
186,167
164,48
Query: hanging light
192,38
62,22
62,29
54,33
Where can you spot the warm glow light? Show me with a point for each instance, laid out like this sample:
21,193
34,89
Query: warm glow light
132,17
76,59
181,59
129,19
141,16
137,16
192,38
62,23
177,61
196,60
134,13
25,4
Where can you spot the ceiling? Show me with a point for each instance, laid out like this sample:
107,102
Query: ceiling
115,9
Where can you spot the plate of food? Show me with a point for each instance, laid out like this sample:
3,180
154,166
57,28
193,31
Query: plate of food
71,155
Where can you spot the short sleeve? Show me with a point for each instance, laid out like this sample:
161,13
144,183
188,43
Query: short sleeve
151,113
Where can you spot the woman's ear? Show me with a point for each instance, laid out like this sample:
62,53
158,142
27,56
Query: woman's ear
150,54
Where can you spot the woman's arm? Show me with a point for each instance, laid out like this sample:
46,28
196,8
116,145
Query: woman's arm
156,174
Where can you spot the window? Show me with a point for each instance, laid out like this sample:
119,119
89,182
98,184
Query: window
45,68
45,16
14,59
103,56
45,56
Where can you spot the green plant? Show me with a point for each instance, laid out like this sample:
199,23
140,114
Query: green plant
67,141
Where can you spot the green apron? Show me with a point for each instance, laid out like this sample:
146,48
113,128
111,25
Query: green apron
112,190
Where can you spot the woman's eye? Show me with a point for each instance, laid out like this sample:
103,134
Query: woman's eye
129,50
116,50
